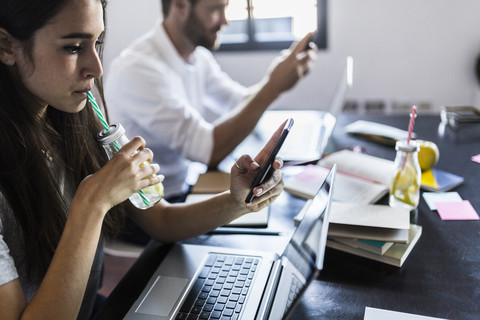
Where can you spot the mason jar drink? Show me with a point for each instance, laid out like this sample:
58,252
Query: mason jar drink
405,186
112,140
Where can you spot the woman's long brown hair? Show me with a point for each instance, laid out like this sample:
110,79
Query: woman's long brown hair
31,146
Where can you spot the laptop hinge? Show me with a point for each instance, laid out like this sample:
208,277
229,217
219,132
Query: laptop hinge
269,292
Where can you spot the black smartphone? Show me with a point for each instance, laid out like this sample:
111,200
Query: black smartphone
267,165
313,39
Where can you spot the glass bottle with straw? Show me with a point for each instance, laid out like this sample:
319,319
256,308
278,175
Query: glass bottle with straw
405,186
112,139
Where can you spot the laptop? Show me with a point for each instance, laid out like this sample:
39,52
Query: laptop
308,139
206,282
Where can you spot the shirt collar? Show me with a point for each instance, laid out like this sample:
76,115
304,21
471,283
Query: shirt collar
169,53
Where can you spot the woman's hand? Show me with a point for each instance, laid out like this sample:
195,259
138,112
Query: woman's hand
120,177
245,170
242,175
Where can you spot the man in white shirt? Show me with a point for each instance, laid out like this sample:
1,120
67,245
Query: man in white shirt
162,86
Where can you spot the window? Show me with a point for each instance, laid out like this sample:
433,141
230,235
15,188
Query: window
273,24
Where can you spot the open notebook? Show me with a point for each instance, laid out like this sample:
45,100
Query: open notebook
309,137
205,282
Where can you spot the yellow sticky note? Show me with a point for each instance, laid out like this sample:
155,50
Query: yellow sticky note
428,179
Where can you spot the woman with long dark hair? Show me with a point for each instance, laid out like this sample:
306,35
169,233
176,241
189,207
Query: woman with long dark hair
59,193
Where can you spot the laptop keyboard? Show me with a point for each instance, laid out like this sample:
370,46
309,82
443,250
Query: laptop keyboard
295,288
221,288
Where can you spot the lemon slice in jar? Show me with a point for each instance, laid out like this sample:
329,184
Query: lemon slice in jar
159,188
404,178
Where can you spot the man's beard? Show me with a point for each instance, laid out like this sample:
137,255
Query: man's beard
196,32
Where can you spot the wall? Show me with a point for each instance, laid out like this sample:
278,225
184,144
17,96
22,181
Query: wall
405,52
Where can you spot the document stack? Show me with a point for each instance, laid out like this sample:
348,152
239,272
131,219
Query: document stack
357,225
376,232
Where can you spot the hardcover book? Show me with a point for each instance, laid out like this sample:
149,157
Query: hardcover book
377,247
395,256
369,222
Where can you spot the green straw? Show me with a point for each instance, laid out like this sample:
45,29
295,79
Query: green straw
107,127
98,111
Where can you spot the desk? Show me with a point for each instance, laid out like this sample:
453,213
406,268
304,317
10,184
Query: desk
440,278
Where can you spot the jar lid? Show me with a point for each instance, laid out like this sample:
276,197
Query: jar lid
113,134
402,145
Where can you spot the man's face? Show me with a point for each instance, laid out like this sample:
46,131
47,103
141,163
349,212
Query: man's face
206,19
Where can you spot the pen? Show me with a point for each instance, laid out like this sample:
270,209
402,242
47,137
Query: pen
235,230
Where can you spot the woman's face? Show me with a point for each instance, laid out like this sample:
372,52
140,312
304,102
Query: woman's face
65,61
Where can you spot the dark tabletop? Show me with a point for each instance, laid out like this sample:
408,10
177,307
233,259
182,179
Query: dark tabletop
440,278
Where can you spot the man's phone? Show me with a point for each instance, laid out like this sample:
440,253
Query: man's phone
313,39
266,166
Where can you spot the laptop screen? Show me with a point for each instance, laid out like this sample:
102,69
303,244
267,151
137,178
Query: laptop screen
344,85
311,234
306,249
309,136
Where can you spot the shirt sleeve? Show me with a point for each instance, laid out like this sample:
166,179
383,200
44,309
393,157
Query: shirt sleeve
152,96
227,92
7,265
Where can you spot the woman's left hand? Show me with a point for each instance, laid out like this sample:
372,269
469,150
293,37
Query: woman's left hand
242,175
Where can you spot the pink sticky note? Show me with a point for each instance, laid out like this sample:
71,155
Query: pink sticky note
312,174
460,210
476,158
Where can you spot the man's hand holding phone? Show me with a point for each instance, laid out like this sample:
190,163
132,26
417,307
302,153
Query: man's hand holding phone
292,65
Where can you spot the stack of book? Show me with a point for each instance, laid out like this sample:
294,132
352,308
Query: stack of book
376,232
357,225
372,231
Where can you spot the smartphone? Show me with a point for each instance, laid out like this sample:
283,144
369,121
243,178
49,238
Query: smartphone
267,165
313,39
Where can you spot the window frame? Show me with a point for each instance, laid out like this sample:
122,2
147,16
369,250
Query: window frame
253,45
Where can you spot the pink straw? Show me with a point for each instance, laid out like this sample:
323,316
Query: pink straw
413,115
